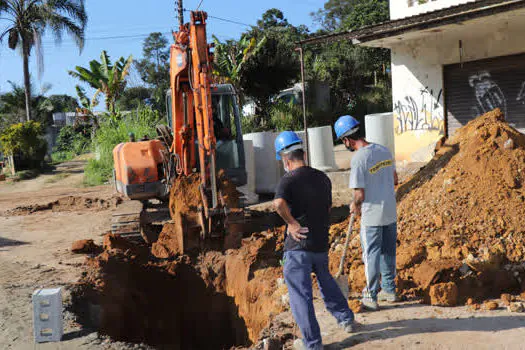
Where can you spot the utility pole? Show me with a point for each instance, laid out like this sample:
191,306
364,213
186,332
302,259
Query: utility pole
180,10
300,49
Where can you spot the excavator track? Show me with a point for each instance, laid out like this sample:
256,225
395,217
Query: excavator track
140,221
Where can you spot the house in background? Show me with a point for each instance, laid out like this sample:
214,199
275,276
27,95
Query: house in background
452,60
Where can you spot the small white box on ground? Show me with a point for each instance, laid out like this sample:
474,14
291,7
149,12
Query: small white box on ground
47,315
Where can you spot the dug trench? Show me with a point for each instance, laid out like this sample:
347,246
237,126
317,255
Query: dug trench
208,299
460,239
213,300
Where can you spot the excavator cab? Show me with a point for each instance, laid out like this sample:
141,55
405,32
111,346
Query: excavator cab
228,132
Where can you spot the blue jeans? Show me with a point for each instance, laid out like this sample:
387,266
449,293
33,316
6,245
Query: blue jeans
379,256
298,266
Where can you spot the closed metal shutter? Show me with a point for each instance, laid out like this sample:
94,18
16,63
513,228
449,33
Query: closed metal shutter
477,87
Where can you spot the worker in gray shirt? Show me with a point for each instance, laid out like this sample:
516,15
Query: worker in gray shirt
372,177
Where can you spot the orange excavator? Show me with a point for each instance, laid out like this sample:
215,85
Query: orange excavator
203,134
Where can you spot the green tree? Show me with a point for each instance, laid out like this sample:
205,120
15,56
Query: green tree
154,66
24,138
274,66
29,20
230,58
351,14
106,78
358,75
13,106
63,103
272,19
134,97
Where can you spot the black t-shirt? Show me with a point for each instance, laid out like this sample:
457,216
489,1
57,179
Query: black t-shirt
308,193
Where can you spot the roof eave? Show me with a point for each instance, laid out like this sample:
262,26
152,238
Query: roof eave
384,30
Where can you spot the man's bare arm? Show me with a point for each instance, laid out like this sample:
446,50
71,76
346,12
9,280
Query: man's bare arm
359,197
294,228
396,178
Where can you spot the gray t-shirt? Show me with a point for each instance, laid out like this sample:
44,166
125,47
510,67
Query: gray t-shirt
372,168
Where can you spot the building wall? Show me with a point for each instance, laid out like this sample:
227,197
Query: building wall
417,76
406,8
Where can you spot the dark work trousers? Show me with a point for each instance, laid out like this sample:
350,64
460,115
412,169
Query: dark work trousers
298,266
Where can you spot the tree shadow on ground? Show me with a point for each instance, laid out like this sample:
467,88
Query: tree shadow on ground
6,242
390,330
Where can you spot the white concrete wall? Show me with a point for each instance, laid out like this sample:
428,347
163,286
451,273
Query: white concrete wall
406,8
417,75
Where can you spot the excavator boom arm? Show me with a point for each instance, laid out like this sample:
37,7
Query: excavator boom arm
190,78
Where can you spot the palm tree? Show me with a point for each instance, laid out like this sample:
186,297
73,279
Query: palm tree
28,21
106,78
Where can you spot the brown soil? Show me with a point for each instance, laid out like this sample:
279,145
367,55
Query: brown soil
213,300
461,218
184,235
229,191
69,203
444,294
85,246
185,195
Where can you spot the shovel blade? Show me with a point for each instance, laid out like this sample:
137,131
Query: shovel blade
342,283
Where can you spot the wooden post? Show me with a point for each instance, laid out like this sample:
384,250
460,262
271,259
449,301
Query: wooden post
12,165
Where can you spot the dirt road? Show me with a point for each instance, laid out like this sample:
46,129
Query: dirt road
34,250
34,253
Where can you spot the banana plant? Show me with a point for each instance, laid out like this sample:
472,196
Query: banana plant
107,78
230,57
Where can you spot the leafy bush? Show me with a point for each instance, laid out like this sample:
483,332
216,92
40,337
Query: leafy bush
71,142
97,172
286,116
113,131
25,140
250,124
27,174
62,156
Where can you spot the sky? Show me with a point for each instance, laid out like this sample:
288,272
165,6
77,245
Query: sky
120,27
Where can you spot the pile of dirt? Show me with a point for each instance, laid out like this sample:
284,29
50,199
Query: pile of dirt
214,300
461,219
85,246
69,203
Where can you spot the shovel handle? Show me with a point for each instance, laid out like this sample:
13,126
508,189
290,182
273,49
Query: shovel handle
345,249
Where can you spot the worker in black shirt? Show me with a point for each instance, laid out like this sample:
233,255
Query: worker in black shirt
303,199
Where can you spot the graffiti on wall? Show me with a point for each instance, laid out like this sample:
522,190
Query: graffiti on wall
488,94
425,113
521,94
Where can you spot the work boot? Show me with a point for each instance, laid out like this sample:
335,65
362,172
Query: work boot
368,302
299,345
349,327
389,297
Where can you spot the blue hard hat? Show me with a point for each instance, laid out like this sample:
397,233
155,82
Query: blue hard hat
285,141
346,126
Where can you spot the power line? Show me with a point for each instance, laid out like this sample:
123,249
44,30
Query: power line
225,20
230,21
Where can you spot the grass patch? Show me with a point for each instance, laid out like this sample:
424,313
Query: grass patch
111,133
57,178
62,156
97,172
26,175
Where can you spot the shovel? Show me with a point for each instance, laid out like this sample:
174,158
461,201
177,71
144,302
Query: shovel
340,278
